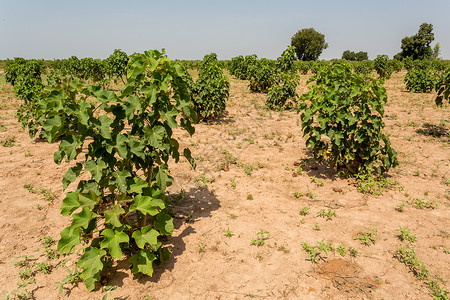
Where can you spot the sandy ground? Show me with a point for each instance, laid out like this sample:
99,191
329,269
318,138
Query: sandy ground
206,264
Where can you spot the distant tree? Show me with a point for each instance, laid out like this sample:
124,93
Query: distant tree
436,51
350,55
308,44
362,55
418,45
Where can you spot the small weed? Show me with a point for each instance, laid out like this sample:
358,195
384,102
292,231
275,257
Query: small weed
10,141
445,181
409,258
353,251
369,184
405,235
201,247
401,207
367,237
316,227
283,249
423,203
315,252
329,214
446,251
27,153
233,183
228,233
298,194
202,180
342,249
304,211
259,241
72,278
249,197
317,181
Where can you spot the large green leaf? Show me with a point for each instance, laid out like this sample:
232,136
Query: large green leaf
71,175
105,126
155,135
82,219
69,239
91,263
164,223
70,144
88,199
95,167
146,205
112,241
70,204
146,235
112,216
142,262
162,178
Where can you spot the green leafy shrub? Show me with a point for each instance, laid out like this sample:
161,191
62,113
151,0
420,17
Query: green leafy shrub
443,88
116,65
303,66
120,206
396,65
262,75
383,67
211,90
348,109
279,94
363,67
420,80
286,62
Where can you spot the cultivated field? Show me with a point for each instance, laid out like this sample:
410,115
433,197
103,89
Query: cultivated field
239,229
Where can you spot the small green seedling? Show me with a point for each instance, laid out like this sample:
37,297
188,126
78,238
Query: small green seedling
342,249
228,233
405,235
367,237
259,241
304,211
329,214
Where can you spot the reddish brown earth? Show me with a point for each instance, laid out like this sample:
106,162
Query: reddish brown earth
205,263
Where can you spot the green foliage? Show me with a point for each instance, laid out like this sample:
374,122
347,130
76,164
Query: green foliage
303,66
128,141
260,238
418,45
116,65
406,235
383,67
240,66
211,90
328,215
409,257
367,237
396,65
308,44
363,67
348,109
285,90
352,56
443,88
286,62
315,252
420,80
262,75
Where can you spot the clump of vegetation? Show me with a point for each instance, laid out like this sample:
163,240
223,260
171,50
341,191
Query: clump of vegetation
348,108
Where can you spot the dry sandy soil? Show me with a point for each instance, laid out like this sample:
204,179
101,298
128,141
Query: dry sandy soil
205,263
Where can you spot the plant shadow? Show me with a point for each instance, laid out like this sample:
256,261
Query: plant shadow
188,207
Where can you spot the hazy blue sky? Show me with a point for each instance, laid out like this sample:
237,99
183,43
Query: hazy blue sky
190,29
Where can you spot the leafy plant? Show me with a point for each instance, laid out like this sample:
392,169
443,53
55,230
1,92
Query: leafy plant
367,237
128,141
211,90
443,88
383,67
420,80
341,249
409,257
406,235
304,211
228,233
329,214
315,252
261,75
348,108
260,238
284,90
